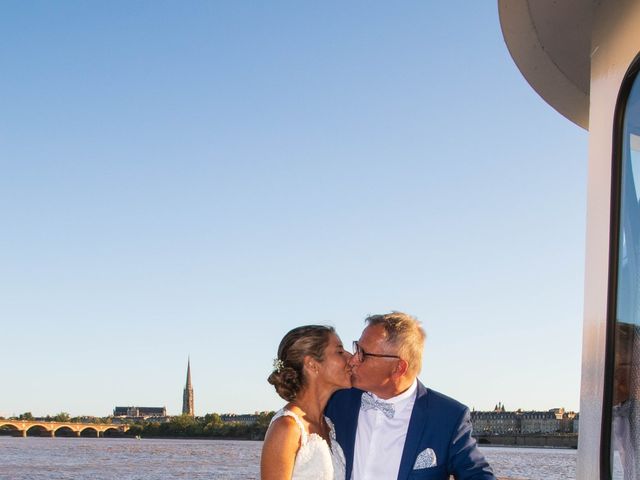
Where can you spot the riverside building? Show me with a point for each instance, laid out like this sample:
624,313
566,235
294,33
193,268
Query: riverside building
501,422
158,413
243,418
139,413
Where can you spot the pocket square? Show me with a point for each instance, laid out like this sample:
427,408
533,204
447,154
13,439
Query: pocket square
426,459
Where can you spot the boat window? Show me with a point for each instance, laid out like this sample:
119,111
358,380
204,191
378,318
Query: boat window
625,387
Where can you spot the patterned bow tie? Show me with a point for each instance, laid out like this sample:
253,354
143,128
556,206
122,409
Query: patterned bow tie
368,402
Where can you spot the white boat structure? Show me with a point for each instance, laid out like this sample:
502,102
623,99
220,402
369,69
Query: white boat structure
583,59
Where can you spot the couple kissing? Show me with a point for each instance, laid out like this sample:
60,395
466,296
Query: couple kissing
365,415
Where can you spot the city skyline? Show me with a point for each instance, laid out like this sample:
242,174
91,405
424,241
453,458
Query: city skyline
199,178
188,400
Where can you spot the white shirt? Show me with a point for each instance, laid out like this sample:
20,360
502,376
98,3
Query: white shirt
380,440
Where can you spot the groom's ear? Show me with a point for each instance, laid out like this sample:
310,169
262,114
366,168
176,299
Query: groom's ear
401,368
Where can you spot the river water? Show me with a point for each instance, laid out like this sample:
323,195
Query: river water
38,458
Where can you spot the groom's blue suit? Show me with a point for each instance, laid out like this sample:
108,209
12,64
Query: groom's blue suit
437,422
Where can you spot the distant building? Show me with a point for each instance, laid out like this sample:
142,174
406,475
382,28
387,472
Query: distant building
496,422
187,395
566,420
245,419
539,422
139,412
501,422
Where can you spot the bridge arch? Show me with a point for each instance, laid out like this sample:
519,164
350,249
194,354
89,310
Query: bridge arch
37,430
112,432
58,426
64,431
89,432
9,429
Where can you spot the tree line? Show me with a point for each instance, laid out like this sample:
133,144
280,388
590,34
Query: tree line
60,417
209,426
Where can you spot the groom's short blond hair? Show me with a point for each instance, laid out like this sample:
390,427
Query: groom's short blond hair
405,333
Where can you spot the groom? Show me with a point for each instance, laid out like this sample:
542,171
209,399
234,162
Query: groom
389,425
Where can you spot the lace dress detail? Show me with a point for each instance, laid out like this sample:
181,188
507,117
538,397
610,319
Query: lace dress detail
316,460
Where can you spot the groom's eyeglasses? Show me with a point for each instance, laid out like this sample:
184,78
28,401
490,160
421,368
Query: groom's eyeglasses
361,354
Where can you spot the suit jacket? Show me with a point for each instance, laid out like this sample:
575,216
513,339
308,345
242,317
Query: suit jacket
437,422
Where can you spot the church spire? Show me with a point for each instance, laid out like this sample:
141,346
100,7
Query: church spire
189,373
187,396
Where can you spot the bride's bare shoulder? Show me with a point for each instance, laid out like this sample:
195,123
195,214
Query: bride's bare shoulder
284,428
279,449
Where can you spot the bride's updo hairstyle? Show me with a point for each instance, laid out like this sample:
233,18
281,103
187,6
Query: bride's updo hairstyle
288,376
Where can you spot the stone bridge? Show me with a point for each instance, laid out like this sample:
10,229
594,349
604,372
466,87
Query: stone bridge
23,426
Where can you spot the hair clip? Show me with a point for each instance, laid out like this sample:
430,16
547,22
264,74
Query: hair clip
278,365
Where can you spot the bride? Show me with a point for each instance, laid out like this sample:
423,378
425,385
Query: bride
300,442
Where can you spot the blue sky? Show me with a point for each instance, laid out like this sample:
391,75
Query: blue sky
196,178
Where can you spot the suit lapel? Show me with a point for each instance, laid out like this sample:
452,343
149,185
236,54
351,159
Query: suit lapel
417,425
353,410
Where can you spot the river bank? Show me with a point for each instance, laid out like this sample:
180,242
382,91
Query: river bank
567,440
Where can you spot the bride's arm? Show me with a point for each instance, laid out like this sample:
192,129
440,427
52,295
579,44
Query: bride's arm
279,449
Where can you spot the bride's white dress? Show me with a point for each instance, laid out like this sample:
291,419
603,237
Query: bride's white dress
316,460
